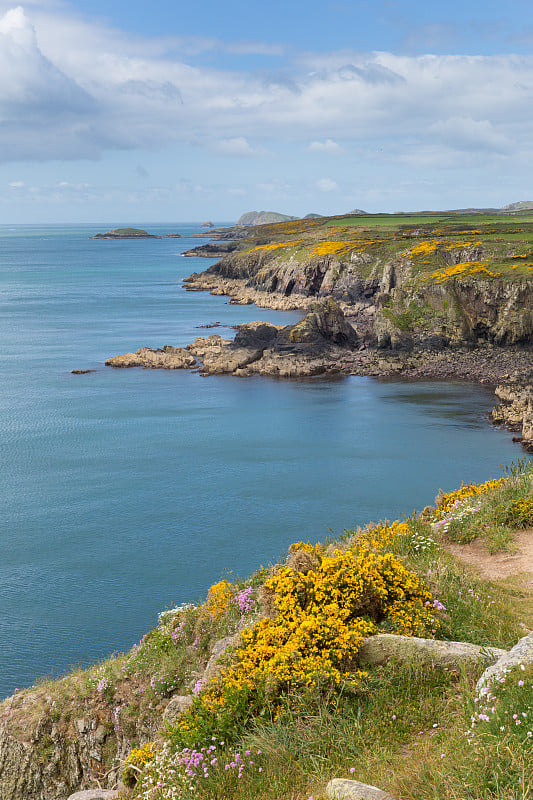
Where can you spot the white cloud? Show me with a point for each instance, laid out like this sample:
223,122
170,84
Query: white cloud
465,133
72,90
17,184
329,146
327,185
237,146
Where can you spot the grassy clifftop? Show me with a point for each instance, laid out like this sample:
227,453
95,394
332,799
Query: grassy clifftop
463,278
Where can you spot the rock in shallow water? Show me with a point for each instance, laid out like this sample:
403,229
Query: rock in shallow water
166,358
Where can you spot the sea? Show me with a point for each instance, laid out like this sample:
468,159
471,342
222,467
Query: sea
126,492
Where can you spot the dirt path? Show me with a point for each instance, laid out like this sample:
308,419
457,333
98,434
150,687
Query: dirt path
499,566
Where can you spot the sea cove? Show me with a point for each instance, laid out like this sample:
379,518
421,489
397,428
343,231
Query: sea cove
125,492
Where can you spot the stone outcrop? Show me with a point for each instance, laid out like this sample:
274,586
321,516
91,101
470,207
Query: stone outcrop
520,654
213,250
343,789
515,410
46,754
447,655
167,357
313,346
176,707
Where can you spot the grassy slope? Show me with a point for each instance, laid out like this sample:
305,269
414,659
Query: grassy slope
404,728
407,728
506,240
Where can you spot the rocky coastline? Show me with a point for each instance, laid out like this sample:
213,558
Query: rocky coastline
324,343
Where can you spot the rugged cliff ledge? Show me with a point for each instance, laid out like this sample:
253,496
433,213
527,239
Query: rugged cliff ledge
515,410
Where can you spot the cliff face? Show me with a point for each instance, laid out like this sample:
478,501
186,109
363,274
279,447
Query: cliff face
403,306
51,744
515,410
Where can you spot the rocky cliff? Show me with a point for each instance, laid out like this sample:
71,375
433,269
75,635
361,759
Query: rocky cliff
397,304
515,410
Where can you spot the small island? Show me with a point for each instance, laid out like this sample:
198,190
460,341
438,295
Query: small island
133,233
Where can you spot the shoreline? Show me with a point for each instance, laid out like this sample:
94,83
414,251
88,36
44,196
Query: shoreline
325,343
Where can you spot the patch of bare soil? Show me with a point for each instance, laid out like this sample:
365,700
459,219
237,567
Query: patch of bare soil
499,566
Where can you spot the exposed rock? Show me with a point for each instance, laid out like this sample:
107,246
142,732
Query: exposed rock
218,651
516,408
448,655
343,789
213,250
324,322
167,358
310,347
82,371
45,755
176,707
207,224
521,653
94,794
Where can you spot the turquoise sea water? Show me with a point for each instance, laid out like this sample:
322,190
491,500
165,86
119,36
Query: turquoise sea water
128,491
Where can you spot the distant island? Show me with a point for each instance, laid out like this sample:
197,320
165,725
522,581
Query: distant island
133,233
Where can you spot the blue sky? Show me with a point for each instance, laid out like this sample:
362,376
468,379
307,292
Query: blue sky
166,111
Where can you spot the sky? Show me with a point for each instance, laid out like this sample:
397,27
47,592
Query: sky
166,111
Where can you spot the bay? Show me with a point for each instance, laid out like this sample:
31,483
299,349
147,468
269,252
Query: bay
127,491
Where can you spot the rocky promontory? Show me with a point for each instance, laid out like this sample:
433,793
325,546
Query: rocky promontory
314,346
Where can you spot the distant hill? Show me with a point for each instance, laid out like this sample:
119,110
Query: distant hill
263,218
522,205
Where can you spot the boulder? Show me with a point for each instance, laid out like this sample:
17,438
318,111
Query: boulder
94,794
521,653
176,707
324,324
219,650
449,655
343,789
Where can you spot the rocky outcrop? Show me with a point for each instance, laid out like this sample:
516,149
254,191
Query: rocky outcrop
515,410
211,250
447,655
167,357
519,655
55,743
344,789
313,346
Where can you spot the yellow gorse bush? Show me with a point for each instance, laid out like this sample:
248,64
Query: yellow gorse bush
276,245
446,501
464,268
135,762
219,598
323,611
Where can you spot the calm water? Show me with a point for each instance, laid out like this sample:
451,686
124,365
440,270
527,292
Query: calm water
128,491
